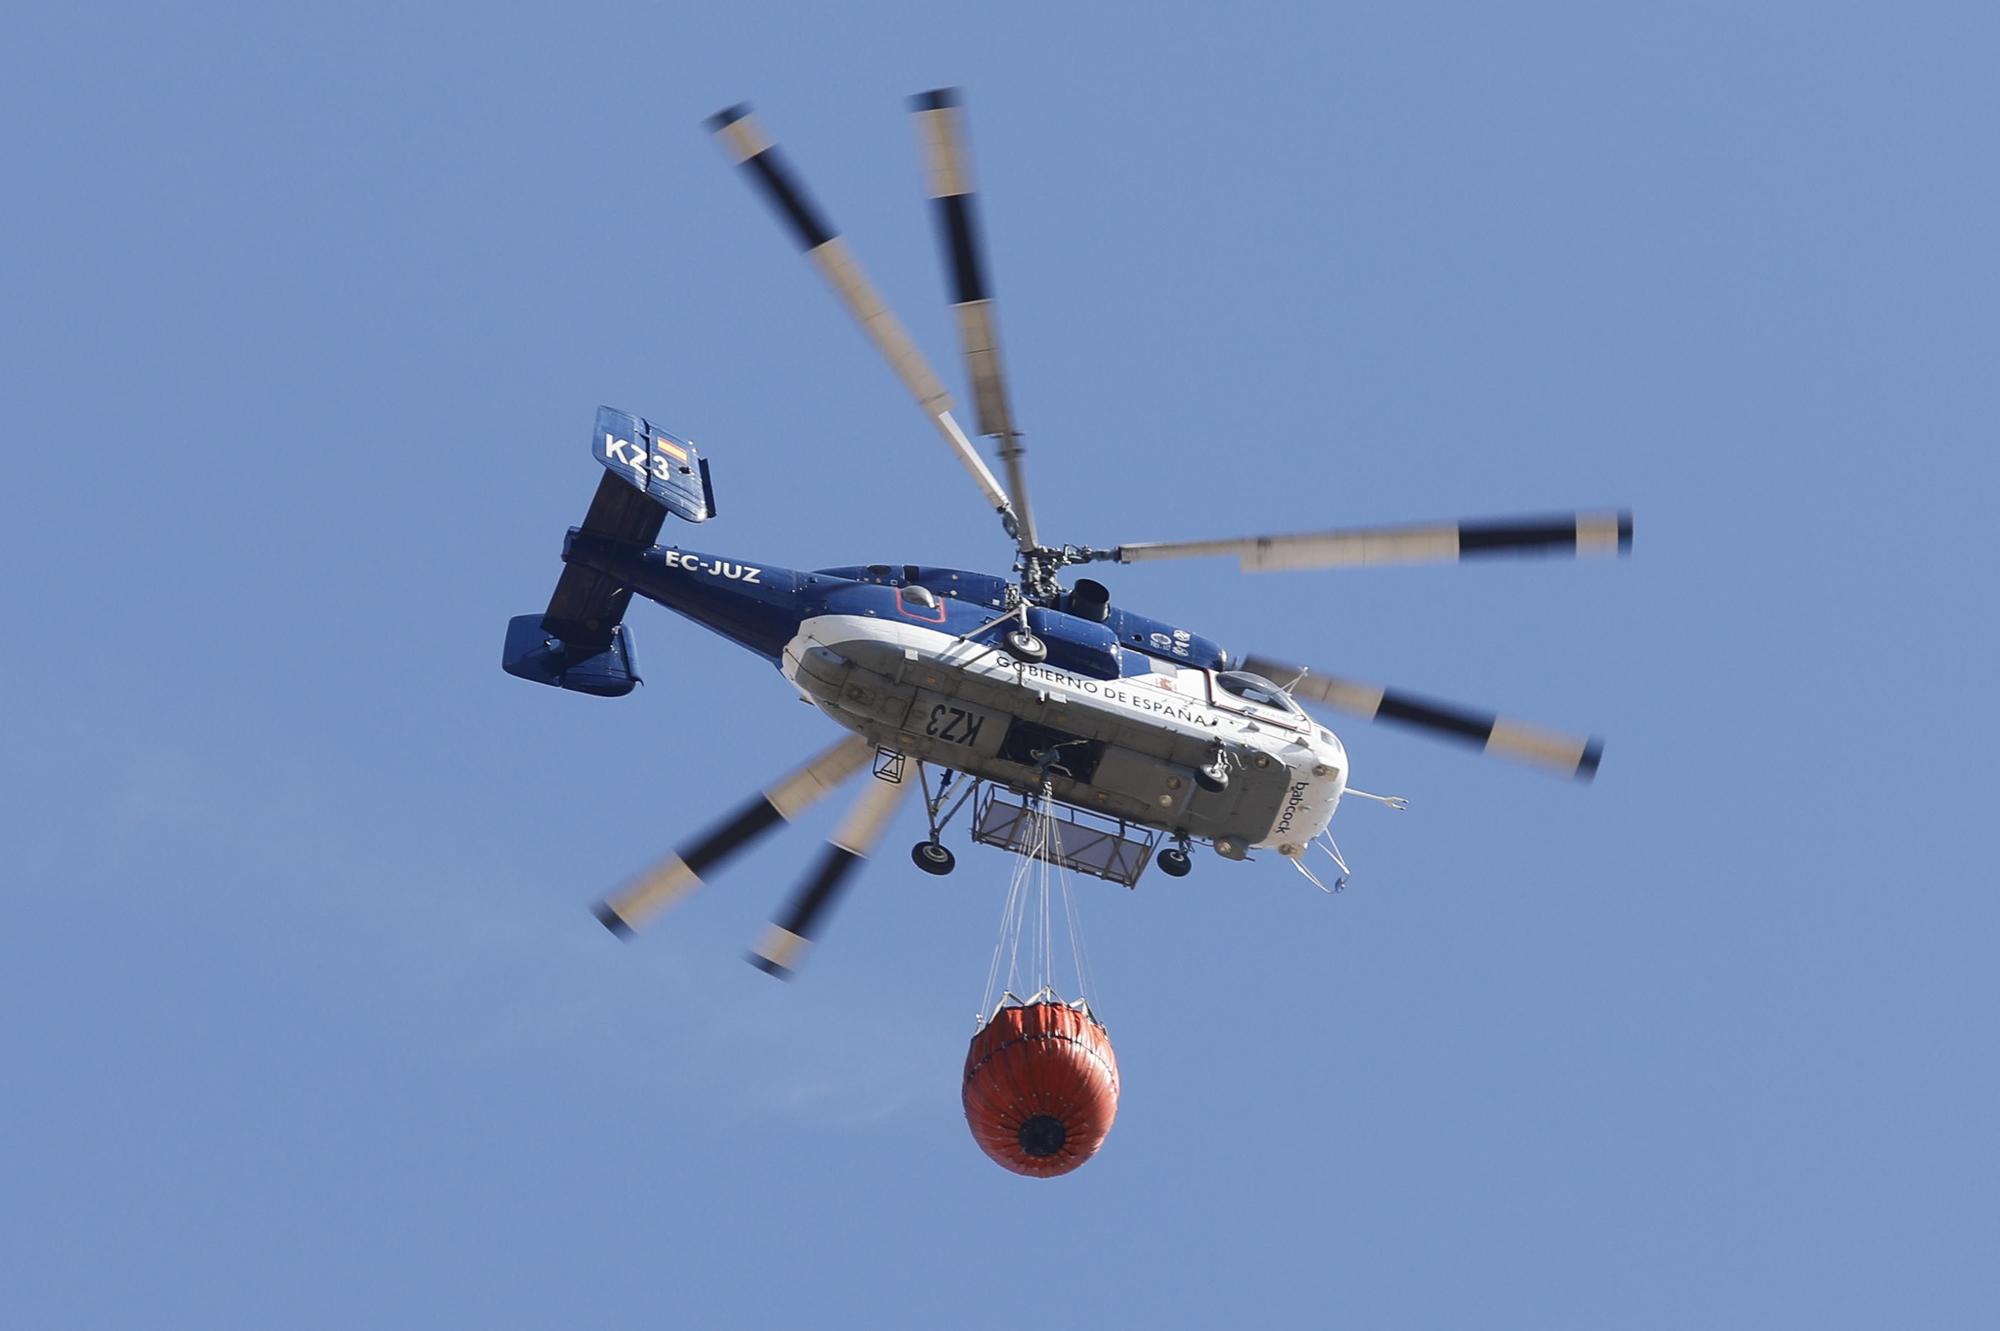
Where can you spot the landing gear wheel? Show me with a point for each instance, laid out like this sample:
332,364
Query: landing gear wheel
933,858
1025,646
1212,778
1174,862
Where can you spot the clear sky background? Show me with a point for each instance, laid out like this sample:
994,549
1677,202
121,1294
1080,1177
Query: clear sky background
306,313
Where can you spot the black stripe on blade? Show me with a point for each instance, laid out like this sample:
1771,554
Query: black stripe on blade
1457,722
1493,538
937,99
611,919
819,892
727,116
1593,753
775,178
768,966
1624,530
961,238
758,816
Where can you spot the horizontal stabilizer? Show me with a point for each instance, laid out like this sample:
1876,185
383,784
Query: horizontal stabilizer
667,469
533,652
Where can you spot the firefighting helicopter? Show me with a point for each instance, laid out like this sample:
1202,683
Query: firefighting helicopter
1022,694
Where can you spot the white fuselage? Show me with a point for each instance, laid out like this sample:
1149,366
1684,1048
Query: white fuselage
967,705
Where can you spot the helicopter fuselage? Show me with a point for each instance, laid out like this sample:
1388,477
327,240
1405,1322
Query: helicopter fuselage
1122,717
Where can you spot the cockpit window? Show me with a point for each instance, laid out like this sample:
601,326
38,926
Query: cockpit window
1255,688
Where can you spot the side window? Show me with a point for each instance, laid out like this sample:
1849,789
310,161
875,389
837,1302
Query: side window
1253,695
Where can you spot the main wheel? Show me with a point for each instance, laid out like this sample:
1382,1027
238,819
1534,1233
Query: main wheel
1212,778
1025,646
1174,862
932,857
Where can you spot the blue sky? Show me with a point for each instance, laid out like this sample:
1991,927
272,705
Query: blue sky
308,311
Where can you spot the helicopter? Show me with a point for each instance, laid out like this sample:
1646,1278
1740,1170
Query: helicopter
1027,697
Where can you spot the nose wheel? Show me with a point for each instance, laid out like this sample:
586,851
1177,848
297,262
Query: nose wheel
1025,646
933,858
1174,862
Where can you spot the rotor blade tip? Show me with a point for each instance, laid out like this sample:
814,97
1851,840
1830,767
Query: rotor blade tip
611,920
728,116
768,966
1624,530
935,100
1593,753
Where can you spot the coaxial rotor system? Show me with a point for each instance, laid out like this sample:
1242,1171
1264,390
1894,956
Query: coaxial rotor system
940,121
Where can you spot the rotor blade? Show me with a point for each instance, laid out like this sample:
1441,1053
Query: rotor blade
1580,534
948,180
1567,755
787,938
680,873
751,148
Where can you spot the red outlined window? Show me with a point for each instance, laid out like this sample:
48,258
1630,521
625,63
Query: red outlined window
913,607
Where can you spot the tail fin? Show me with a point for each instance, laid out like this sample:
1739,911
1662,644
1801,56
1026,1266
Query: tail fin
668,469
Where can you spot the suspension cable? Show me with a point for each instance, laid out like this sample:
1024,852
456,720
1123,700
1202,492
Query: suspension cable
1040,874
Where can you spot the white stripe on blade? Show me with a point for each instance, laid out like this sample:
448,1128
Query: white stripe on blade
1597,534
781,947
816,780
838,266
1532,744
945,168
869,818
743,139
661,886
